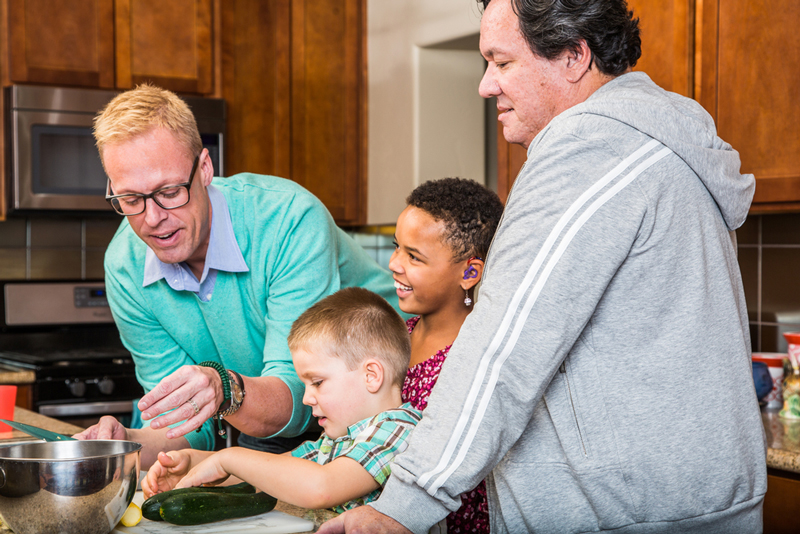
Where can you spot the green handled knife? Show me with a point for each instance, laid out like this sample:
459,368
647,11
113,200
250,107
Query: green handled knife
37,432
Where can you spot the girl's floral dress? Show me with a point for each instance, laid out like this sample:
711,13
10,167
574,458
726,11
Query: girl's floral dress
473,516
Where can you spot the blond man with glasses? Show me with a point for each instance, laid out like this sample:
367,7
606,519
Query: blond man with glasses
205,277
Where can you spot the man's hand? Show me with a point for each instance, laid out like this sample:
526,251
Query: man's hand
360,520
200,385
165,474
106,428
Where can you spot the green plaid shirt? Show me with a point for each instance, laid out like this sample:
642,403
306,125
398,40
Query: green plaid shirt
372,442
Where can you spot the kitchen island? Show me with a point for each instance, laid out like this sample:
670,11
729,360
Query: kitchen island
28,417
783,463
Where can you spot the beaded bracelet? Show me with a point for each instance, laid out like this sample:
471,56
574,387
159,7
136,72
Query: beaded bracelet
226,391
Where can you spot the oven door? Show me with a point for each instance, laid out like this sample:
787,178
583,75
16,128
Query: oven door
85,414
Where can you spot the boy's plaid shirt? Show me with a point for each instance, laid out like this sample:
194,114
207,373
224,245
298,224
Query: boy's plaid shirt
372,442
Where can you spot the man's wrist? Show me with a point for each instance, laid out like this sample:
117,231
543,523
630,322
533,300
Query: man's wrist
237,394
226,391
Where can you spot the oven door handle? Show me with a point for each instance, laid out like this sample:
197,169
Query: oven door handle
87,408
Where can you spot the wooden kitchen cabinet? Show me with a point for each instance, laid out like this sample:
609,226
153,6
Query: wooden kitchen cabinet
747,78
60,42
293,73
110,43
781,502
168,43
737,58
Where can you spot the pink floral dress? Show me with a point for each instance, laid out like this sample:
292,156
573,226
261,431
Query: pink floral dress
473,516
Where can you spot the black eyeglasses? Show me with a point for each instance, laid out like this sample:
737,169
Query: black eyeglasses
169,197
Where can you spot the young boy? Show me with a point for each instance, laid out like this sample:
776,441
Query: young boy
351,350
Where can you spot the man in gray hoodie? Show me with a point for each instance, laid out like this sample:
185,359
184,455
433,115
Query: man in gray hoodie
579,387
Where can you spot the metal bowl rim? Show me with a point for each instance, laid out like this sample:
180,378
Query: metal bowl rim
136,449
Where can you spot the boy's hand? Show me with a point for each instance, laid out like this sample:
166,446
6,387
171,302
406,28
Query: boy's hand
209,471
170,468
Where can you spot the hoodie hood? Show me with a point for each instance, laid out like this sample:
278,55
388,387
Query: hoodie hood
686,128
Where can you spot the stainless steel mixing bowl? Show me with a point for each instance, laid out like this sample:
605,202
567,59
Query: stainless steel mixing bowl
67,486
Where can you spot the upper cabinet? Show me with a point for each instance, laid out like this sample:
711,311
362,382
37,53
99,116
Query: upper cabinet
60,42
668,33
111,43
294,75
329,104
738,60
747,77
168,43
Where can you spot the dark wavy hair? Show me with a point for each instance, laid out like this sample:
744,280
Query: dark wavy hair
469,211
552,26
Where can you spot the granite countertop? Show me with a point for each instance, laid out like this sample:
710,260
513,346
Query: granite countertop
21,415
783,441
783,448
15,375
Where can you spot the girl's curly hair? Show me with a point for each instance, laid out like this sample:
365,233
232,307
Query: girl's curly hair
470,213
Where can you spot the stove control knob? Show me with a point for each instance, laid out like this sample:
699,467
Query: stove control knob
106,386
76,387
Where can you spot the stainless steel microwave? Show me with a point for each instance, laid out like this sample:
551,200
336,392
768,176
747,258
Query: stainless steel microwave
53,162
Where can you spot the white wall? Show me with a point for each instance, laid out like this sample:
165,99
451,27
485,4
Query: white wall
449,115
425,114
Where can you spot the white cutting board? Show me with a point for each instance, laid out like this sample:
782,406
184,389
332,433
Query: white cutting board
273,522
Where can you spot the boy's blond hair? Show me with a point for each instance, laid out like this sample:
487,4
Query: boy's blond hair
139,110
355,324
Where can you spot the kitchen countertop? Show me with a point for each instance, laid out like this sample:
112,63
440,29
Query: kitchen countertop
15,375
783,452
21,415
783,441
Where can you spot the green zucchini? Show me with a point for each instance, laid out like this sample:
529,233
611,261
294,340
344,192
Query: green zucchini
151,508
200,508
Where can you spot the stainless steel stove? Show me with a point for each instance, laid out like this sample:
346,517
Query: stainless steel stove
64,332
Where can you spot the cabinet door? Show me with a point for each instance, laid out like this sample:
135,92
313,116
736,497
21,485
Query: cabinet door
293,75
255,83
667,33
168,43
748,81
328,104
83,31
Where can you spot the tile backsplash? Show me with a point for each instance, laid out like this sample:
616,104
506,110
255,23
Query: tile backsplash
378,241
39,248
769,256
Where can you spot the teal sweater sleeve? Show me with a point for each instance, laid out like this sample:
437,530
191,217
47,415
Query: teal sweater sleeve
296,255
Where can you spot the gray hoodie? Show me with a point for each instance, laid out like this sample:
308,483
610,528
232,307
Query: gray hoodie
603,380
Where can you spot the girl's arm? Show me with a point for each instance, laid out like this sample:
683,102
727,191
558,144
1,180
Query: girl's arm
296,481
